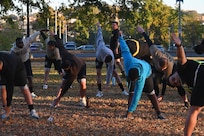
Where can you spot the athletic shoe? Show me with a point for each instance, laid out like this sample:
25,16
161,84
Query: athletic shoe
34,114
125,93
99,94
45,86
186,105
55,103
129,115
6,113
160,116
33,95
82,101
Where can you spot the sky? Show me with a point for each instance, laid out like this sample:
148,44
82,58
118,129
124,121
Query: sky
185,5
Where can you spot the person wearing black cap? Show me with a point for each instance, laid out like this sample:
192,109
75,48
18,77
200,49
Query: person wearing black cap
74,68
140,74
190,72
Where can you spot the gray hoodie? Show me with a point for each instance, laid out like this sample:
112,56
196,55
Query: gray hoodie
101,52
24,53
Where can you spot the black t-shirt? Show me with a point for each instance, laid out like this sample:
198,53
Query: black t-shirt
187,71
114,39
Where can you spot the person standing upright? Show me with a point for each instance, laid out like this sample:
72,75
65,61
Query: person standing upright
114,46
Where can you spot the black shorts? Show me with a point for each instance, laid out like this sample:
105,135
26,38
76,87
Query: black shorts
197,96
57,64
99,64
28,68
81,74
148,86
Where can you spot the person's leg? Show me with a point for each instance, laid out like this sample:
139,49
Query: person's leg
3,95
120,66
191,120
98,77
119,81
47,71
7,108
29,101
83,92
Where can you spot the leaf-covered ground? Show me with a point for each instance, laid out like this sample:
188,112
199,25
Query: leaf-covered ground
105,117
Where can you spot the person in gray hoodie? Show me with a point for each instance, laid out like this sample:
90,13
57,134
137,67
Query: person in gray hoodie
105,55
22,48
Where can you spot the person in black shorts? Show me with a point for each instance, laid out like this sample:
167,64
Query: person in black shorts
114,46
13,73
52,57
191,73
74,68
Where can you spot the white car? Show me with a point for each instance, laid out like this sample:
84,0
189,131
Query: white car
86,47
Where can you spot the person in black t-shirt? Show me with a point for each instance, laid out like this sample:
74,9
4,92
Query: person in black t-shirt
13,73
114,46
192,73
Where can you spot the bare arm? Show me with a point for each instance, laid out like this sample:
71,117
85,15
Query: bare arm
180,50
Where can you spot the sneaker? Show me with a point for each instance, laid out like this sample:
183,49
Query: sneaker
160,116
186,105
129,115
82,101
45,86
125,93
34,114
6,113
99,94
55,103
33,95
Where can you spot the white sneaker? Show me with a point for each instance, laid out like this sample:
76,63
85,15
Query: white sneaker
33,95
125,93
34,114
99,94
6,113
82,101
45,87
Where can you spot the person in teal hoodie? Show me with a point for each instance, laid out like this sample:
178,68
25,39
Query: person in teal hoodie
139,73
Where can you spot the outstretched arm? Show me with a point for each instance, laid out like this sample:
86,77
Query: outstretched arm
141,30
180,50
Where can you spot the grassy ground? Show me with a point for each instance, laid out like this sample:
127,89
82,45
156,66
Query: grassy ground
103,118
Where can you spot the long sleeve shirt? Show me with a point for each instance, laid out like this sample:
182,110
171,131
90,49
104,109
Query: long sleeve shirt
101,52
158,54
76,63
144,70
24,53
51,54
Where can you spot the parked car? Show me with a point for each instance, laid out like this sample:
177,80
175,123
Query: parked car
70,45
36,46
86,47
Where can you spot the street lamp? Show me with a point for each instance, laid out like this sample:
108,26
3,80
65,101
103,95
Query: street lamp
28,21
179,21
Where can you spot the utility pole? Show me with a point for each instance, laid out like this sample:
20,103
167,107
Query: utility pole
28,21
179,21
